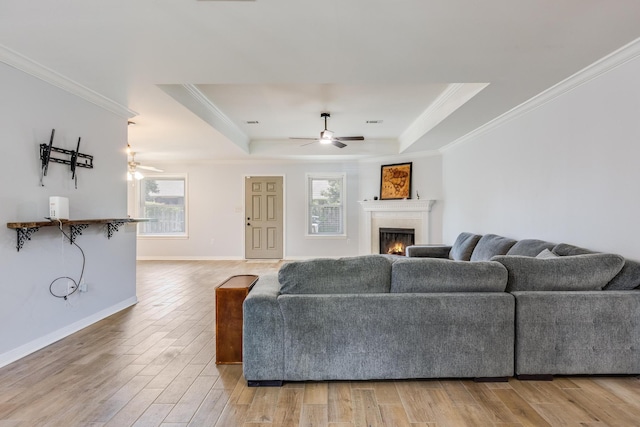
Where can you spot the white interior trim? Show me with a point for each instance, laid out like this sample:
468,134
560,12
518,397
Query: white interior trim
593,71
22,63
40,343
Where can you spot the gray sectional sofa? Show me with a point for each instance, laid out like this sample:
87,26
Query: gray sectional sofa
378,317
487,307
577,311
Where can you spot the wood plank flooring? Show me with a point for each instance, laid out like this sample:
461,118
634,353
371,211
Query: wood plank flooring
154,365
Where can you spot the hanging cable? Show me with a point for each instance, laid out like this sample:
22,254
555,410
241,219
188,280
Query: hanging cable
76,285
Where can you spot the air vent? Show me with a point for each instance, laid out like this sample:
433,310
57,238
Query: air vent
252,122
373,122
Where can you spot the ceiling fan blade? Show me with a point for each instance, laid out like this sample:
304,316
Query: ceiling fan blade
308,139
308,143
150,168
338,143
350,138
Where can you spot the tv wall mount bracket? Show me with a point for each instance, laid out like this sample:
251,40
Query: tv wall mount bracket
75,159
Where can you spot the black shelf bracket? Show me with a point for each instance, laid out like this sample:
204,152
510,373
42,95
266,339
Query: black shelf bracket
113,227
76,159
24,234
76,230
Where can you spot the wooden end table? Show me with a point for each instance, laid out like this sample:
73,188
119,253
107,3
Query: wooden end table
230,295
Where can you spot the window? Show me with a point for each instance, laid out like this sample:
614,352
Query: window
164,200
326,209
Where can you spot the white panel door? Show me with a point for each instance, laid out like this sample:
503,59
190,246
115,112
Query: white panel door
263,217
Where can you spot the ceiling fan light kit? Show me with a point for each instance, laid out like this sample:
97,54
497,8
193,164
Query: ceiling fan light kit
133,172
326,136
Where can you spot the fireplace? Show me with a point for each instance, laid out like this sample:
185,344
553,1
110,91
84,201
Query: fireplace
394,240
411,213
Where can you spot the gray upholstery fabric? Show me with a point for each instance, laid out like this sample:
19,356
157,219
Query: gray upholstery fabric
570,273
491,245
530,247
570,333
263,331
362,274
463,246
564,249
628,278
439,275
431,251
387,336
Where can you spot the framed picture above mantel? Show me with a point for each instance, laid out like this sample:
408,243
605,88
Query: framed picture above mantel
395,181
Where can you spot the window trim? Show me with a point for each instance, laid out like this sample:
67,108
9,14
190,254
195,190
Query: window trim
308,195
138,207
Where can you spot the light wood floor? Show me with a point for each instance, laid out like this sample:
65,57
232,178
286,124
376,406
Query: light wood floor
153,365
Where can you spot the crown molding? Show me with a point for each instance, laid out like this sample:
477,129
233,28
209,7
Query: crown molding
22,63
453,97
197,102
610,62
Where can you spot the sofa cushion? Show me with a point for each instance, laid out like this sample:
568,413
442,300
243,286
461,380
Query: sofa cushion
353,275
530,247
491,245
627,279
428,251
570,273
565,249
424,275
463,246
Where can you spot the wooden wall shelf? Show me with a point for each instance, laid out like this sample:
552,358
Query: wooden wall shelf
24,230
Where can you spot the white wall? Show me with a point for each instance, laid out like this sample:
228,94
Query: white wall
216,207
30,317
426,172
565,172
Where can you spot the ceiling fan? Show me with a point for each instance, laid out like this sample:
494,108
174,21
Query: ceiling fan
326,136
134,166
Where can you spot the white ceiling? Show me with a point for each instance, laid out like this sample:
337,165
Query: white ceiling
197,71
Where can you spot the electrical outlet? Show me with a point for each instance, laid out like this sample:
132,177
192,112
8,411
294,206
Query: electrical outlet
84,287
70,287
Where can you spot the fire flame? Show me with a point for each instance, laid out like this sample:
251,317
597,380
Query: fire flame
397,249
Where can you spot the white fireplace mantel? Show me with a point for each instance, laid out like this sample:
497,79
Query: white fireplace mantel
406,205
410,210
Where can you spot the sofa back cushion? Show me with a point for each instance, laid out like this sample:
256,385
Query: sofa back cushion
587,272
530,247
491,245
627,279
565,249
424,275
462,248
354,275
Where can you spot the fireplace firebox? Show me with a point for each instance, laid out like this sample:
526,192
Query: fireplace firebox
394,240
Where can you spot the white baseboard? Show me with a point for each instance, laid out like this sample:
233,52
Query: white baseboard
189,258
40,343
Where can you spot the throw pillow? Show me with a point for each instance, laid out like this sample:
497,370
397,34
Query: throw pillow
353,275
529,247
546,254
441,275
570,273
